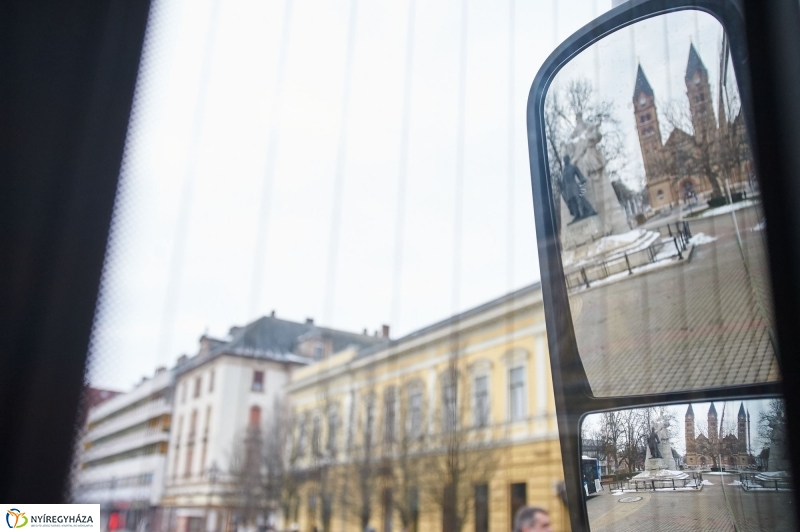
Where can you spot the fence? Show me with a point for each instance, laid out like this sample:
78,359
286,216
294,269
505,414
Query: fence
695,482
676,234
752,480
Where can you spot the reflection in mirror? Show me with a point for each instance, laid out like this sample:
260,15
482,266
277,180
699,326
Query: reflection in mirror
701,466
659,216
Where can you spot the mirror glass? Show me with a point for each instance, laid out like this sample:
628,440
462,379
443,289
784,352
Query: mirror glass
700,466
660,221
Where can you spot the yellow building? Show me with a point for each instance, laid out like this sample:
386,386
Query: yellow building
449,428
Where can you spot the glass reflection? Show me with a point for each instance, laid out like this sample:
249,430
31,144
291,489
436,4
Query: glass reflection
699,466
660,222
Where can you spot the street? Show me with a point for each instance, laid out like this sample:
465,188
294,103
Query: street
714,508
698,324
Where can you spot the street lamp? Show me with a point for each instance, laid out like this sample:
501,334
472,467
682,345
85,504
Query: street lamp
212,473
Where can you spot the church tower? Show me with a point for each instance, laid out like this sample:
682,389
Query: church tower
713,432
691,445
698,90
644,110
741,432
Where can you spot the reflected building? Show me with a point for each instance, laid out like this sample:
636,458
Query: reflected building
705,450
691,165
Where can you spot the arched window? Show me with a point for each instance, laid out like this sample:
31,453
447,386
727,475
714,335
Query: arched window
255,416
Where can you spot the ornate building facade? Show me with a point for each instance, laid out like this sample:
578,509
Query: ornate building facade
691,165
702,449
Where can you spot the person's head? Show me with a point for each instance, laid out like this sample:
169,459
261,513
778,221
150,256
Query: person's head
566,159
532,519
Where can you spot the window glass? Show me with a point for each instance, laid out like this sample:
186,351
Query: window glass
482,401
517,393
258,381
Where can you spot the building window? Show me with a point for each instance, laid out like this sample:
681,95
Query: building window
516,392
333,425
315,435
415,412
254,420
197,383
183,393
482,508
519,498
211,382
258,381
389,415
370,422
319,352
301,438
449,400
482,401
192,425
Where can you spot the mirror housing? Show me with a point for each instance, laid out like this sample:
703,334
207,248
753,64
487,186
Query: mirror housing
573,396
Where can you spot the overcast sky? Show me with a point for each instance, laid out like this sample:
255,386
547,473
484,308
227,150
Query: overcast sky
247,116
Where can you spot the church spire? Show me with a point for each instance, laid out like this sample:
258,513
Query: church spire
694,64
712,410
689,411
642,85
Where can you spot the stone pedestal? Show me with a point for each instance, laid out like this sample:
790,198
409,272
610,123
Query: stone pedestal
580,233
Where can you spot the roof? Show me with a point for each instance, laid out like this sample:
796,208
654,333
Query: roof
712,410
689,411
678,138
275,339
694,64
741,410
642,85
456,318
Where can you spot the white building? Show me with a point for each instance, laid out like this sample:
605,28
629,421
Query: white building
124,453
226,388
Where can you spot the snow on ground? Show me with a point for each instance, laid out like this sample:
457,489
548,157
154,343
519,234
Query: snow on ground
727,208
716,473
707,482
735,483
760,226
701,238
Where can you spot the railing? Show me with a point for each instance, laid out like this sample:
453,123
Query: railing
680,234
695,482
752,480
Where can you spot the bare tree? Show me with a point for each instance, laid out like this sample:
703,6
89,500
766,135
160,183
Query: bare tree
406,470
246,473
459,456
362,464
564,108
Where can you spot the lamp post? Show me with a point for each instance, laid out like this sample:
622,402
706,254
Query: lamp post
212,472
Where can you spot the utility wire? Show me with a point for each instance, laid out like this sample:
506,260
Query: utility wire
172,292
338,183
264,209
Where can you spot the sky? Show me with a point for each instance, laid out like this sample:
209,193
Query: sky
255,129
661,46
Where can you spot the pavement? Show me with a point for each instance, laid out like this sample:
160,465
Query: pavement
703,323
718,507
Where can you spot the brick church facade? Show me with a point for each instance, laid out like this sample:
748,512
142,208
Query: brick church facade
732,450
689,166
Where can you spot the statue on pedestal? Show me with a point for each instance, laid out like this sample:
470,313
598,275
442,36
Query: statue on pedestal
652,443
582,150
572,189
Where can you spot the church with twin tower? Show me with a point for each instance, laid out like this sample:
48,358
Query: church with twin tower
689,165
732,449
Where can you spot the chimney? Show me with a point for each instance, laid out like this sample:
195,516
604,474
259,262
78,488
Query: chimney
309,321
366,332
160,369
182,360
272,314
376,333
385,331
